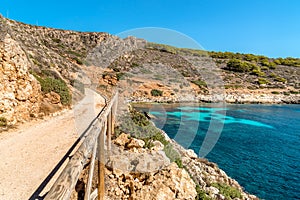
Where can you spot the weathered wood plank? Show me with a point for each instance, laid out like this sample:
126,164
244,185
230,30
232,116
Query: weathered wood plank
101,163
109,132
91,173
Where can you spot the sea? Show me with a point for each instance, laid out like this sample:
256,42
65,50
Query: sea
257,145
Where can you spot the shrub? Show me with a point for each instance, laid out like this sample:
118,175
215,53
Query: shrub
156,93
280,79
3,121
162,47
78,61
56,40
239,66
49,84
200,83
134,65
257,72
139,127
294,92
262,81
273,75
120,76
264,68
201,194
228,191
275,92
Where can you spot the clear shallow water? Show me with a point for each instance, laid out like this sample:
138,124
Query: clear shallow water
259,145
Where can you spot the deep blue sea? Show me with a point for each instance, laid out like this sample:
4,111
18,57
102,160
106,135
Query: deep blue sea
258,145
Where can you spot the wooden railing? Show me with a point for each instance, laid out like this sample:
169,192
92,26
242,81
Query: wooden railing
101,128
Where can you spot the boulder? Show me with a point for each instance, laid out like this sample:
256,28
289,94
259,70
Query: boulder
158,146
122,140
190,153
135,143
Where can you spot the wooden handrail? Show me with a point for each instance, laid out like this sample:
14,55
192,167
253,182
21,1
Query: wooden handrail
65,183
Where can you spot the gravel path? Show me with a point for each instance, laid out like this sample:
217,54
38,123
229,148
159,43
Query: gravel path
29,153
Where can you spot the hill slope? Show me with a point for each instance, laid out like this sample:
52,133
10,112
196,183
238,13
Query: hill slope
53,65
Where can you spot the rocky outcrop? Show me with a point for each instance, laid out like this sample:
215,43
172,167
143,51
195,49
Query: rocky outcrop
207,174
140,173
128,155
134,172
166,184
19,91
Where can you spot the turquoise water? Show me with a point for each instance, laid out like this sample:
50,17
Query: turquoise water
258,145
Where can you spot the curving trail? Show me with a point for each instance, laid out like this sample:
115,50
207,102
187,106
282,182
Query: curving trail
29,153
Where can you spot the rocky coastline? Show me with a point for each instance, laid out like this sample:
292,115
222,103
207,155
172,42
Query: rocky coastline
135,172
231,98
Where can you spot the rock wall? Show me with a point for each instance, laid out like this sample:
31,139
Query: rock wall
19,90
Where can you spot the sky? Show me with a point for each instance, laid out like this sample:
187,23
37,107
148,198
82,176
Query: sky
264,27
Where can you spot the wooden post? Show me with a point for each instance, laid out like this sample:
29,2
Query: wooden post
114,113
91,174
101,162
109,131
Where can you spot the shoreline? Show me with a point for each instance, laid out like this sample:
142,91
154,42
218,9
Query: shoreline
229,99
190,158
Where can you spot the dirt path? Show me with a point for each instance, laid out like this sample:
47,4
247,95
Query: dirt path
31,152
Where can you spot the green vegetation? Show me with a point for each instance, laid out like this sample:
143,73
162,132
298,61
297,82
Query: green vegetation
257,71
156,93
175,50
3,121
162,47
275,92
158,77
262,81
255,59
74,53
140,127
200,83
57,85
294,92
134,65
233,86
120,76
240,66
201,194
228,191
280,79
277,78
78,61
56,40
288,61
262,60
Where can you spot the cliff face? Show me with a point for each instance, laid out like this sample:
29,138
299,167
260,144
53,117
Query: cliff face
20,93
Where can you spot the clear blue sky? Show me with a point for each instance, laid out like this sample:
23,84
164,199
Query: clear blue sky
266,27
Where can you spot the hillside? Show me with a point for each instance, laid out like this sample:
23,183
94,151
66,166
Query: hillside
54,65
39,67
240,78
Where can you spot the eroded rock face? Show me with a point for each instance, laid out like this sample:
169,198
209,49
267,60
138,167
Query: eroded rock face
19,90
122,140
166,184
135,143
205,173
